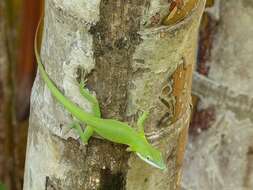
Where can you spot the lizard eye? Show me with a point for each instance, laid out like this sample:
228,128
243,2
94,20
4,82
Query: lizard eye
148,157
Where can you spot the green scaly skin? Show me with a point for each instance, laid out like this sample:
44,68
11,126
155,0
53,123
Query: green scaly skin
112,130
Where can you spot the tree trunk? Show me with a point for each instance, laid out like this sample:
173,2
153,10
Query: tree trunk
220,152
132,63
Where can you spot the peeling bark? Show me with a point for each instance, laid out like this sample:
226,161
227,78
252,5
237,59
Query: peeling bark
132,66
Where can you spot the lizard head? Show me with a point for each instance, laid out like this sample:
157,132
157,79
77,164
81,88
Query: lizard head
152,156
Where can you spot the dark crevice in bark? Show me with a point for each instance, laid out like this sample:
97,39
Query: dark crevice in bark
111,181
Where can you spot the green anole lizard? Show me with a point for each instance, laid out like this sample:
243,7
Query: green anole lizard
112,130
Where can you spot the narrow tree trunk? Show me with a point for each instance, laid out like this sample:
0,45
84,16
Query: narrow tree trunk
221,149
132,64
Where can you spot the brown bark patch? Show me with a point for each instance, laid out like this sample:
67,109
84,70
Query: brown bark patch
249,169
111,181
182,82
209,3
179,11
182,141
115,39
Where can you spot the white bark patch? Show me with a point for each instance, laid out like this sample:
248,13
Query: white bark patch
44,160
80,55
83,9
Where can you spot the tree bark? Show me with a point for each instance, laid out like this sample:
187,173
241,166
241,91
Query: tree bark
220,152
132,63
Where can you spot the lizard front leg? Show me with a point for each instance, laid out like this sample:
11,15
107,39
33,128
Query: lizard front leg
91,98
141,122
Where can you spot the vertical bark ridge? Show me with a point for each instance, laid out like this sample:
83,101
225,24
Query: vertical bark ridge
115,38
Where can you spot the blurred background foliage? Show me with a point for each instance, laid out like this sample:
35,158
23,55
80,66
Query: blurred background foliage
18,20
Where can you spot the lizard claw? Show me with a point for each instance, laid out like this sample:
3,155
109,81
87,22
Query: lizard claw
83,83
72,126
